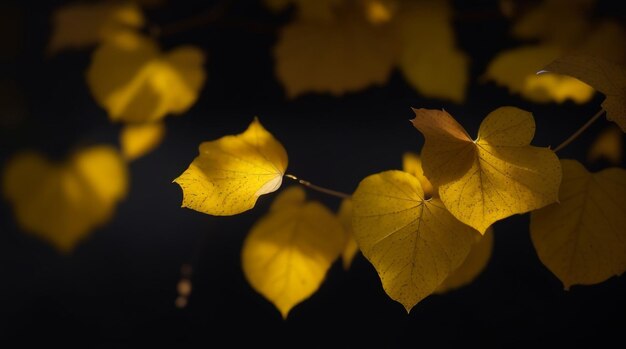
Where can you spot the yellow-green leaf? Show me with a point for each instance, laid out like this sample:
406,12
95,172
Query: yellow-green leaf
582,239
288,252
473,265
605,76
137,140
412,163
608,145
80,25
345,217
413,243
497,175
232,172
135,82
63,203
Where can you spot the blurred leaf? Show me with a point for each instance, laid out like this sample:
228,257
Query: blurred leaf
582,239
232,172
430,61
137,140
608,145
607,77
63,203
135,82
288,252
474,264
345,217
413,243
412,164
79,25
497,175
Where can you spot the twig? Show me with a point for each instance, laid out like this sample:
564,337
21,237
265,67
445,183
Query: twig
310,185
580,131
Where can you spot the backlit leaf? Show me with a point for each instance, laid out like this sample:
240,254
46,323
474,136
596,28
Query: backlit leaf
497,175
605,76
609,145
139,139
413,243
135,82
345,217
63,203
80,25
232,172
288,252
582,239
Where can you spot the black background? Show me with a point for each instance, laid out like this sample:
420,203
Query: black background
120,284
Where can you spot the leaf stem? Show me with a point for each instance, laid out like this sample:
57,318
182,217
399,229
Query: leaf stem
580,131
310,185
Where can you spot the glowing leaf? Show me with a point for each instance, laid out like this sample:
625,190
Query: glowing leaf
232,172
473,265
582,239
413,243
430,60
517,70
135,82
412,164
609,145
288,252
607,77
345,217
494,177
333,56
62,203
139,139
79,25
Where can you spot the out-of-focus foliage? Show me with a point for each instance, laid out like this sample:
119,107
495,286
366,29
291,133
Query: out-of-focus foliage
582,239
554,28
345,217
288,252
609,145
497,175
412,163
232,172
605,76
341,46
137,140
80,25
134,81
63,203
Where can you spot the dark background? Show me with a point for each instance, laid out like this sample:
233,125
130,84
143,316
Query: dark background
120,284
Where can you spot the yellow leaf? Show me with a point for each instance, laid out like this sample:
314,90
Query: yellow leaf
139,139
380,11
582,239
413,243
412,164
345,217
517,70
79,25
62,203
135,82
473,265
605,76
288,252
232,172
430,61
333,57
497,175
608,145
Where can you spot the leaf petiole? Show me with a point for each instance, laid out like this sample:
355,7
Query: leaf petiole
580,131
310,185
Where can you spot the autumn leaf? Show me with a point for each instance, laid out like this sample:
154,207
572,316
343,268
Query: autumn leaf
63,203
412,163
345,218
605,76
582,239
429,59
608,145
137,140
474,264
135,82
80,25
497,175
232,172
413,243
288,252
